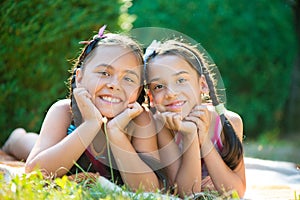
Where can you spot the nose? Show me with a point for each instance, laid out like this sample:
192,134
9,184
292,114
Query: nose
113,83
171,93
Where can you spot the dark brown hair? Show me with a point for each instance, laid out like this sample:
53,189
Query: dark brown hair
232,152
109,39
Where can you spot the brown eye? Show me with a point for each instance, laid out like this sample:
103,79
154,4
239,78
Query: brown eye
181,80
129,79
104,73
157,87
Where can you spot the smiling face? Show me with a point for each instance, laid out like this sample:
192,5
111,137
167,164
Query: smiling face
175,85
112,75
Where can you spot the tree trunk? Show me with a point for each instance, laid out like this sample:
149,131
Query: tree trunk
291,122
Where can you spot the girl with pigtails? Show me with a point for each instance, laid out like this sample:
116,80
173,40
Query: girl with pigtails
200,143
102,123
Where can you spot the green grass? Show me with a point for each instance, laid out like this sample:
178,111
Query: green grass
34,186
296,197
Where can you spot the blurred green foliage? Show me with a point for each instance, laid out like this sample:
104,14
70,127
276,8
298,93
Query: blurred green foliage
252,42
38,41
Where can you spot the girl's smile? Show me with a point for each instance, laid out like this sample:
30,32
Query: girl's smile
174,83
175,106
112,75
110,99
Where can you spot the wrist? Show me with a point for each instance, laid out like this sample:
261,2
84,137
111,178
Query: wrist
206,147
93,123
189,136
188,129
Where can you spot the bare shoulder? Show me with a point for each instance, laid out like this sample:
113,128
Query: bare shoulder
62,104
59,112
54,127
236,122
234,118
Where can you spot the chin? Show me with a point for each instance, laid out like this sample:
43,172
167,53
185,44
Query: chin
108,114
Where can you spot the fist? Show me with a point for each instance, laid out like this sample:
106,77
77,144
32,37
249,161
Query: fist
86,106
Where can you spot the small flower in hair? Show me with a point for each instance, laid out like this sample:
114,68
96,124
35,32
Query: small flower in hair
99,36
101,32
152,49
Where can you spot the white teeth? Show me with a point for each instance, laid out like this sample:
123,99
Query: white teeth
178,104
111,99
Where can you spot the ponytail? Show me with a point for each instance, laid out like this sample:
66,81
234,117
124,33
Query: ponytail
232,152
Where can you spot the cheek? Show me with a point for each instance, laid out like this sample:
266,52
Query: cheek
157,98
90,85
132,94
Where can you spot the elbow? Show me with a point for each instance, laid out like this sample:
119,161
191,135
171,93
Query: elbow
147,185
241,191
238,188
241,188
29,166
151,185
154,186
45,170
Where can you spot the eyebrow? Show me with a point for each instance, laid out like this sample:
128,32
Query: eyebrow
103,65
179,73
176,74
132,72
112,68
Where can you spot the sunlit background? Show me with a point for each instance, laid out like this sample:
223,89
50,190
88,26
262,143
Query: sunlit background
254,43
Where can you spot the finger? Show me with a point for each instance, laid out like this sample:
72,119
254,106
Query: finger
81,92
169,123
200,107
197,113
173,120
177,121
159,117
202,125
202,114
193,119
134,110
123,119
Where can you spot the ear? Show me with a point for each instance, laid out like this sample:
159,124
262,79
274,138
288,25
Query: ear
203,85
79,75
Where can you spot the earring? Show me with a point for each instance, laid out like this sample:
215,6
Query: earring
205,98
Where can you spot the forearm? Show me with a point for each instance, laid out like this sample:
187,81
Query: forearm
189,175
59,158
135,173
222,176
